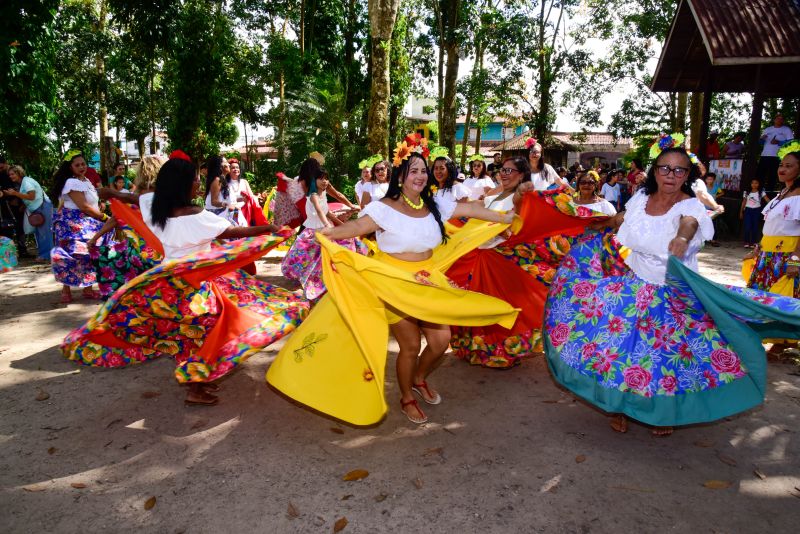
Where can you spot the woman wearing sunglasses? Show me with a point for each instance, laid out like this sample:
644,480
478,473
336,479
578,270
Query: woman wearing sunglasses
587,195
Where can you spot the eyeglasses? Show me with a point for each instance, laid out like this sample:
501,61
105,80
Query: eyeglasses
507,170
678,172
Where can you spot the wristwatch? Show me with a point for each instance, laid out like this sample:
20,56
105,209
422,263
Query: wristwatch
794,257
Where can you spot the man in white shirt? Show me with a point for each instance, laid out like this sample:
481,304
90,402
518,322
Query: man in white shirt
772,137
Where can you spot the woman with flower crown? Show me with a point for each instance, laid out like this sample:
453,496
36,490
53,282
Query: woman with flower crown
335,363
647,337
196,306
776,259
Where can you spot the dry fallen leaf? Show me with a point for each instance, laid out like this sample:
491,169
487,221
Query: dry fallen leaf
340,524
726,459
337,430
51,450
757,472
78,485
347,497
381,497
34,488
291,512
149,503
717,484
150,394
580,459
418,483
435,450
705,443
356,474
42,395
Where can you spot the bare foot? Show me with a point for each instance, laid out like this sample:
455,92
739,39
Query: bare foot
662,431
619,423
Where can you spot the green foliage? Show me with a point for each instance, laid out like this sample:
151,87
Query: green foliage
27,61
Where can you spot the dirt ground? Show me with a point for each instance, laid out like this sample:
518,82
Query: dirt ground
89,450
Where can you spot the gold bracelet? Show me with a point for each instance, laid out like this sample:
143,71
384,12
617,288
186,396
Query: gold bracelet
681,237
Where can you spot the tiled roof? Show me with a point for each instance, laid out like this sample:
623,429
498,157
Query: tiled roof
590,141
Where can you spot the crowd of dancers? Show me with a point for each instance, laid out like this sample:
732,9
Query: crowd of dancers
493,271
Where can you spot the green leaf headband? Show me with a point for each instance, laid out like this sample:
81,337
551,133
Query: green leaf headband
370,161
439,152
71,153
476,157
792,145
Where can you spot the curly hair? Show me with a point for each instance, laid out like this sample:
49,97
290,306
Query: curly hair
452,172
62,174
147,172
651,185
400,173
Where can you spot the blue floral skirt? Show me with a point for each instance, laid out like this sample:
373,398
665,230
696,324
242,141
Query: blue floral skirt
682,353
72,264
8,254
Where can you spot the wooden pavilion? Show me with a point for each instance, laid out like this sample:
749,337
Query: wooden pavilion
733,46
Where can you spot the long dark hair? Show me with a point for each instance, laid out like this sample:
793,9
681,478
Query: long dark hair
311,179
522,165
540,163
173,190
385,163
214,171
62,174
452,172
400,173
796,183
483,169
651,186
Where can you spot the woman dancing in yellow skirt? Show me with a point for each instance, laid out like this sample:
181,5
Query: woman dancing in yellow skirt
335,362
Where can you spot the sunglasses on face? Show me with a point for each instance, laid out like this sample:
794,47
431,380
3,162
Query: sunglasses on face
678,172
507,170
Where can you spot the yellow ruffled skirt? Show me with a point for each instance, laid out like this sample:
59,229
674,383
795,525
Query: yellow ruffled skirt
336,360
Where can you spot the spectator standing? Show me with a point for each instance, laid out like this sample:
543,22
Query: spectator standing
772,138
611,190
496,164
37,213
734,149
712,146
14,206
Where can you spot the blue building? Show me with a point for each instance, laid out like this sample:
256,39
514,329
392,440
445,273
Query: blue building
495,132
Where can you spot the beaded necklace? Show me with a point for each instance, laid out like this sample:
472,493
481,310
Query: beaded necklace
418,206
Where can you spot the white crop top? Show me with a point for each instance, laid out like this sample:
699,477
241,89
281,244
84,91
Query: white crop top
477,186
648,236
399,233
81,186
312,219
376,190
455,193
186,234
782,217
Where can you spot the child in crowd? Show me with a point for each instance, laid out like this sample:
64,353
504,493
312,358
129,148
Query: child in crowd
750,212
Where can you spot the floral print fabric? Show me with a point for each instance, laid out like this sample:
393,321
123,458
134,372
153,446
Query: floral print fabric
302,262
623,334
71,262
121,261
769,267
159,313
8,254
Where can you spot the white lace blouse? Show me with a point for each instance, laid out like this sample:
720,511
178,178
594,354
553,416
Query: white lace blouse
648,236
81,186
399,233
186,234
782,217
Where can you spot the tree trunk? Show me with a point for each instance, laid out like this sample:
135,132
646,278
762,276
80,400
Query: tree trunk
140,146
382,16
680,115
282,118
302,28
439,66
695,120
349,56
100,66
447,132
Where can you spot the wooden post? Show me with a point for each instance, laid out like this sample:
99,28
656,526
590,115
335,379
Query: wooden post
702,151
751,159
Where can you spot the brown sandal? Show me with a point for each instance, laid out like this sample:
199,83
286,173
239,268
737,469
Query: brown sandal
202,398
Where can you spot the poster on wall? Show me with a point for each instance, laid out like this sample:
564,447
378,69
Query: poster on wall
728,171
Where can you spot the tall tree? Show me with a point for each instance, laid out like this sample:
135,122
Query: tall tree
382,17
27,61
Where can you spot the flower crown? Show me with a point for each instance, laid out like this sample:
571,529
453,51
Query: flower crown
413,142
180,154
530,142
370,161
666,141
792,145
